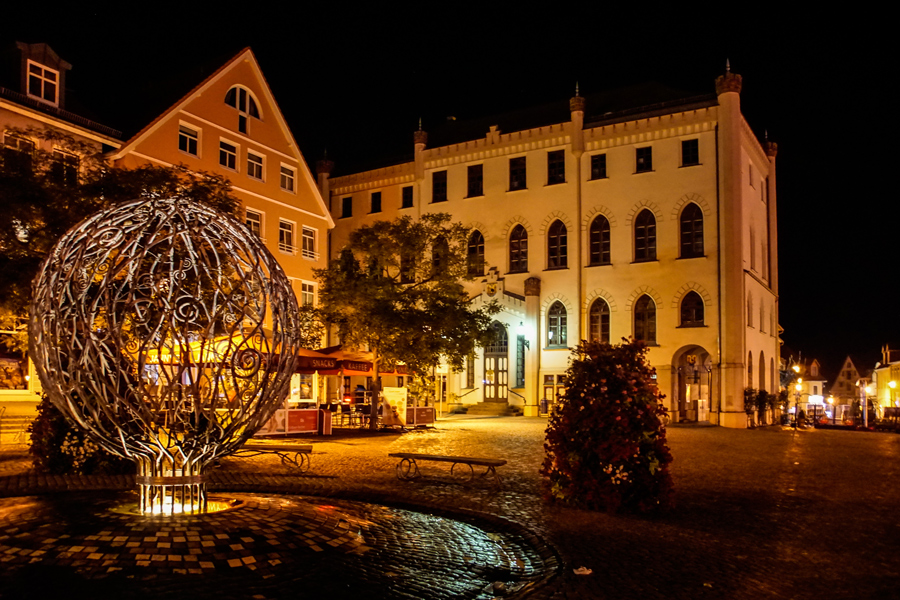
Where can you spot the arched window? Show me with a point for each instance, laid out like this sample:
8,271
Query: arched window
500,342
475,254
645,319
750,370
599,241
772,374
557,246
599,321
241,99
556,325
691,231
762,317
440,250
762,370
518,250
749,310
645,236
692,310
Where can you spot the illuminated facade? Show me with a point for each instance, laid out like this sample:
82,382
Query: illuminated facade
655,222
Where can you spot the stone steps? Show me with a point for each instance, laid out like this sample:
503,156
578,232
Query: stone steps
498,409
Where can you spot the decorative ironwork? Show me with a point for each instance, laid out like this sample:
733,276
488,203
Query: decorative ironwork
169,332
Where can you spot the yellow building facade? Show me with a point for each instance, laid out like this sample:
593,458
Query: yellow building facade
656,222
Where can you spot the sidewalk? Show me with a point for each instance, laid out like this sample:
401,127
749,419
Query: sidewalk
766,513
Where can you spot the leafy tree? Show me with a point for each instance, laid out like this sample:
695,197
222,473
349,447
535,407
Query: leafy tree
606,446
310,327
43,196
396,289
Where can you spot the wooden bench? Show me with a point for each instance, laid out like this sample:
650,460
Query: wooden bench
408,468
293,456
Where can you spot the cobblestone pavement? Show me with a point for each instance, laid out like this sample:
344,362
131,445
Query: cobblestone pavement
763,513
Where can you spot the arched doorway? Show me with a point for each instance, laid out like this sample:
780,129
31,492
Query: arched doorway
496,365
692,382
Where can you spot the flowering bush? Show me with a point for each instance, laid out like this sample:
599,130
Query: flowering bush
606,446
59,448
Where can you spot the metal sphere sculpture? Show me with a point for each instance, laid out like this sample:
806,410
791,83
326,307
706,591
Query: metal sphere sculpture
167,331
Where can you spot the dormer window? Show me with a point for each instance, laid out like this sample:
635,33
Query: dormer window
242,99
43,83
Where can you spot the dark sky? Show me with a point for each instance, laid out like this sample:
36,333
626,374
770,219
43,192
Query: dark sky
355,81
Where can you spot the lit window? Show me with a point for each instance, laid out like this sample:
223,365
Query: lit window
518,250
228,155
286,236
690,153
645,319
599,321
556,325
18,154
475,181
691,231
188,139
254,166
599,241
241,99
517,175
307,294
557,246
406,197
556,167
598,166
43,83
645,236
643,160
376,202
254,223
288,175
475,254
439,186
309,243
692,310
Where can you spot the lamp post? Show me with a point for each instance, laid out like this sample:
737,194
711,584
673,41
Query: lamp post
831,402
797,387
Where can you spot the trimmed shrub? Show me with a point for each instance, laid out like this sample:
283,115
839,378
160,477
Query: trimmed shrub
606,445
59,448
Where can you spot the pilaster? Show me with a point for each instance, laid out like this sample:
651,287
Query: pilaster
532,336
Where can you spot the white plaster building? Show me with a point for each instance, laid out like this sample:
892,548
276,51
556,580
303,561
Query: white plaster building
655,221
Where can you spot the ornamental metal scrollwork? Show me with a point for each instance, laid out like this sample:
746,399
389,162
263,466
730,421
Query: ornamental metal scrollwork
168,331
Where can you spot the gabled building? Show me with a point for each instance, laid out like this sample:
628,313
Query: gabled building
230,124
653,220
845,386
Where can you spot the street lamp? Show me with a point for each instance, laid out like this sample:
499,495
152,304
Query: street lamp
798,386
831,402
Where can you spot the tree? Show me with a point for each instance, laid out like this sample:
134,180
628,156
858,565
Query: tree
44,194
396,288
606,446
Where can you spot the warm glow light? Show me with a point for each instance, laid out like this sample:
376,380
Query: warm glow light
892,384
798,387
796,368
830,399
870,389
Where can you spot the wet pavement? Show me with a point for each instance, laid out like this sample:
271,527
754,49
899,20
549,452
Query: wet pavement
764,513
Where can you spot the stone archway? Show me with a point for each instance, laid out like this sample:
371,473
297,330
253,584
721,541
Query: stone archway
691,384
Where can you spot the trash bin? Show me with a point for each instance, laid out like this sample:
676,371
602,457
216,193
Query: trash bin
324,422
544,407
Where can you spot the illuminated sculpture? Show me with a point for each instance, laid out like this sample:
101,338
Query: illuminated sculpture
167,331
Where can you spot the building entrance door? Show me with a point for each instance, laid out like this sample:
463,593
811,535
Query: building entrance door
496,366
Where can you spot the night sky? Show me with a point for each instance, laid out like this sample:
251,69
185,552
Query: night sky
355,82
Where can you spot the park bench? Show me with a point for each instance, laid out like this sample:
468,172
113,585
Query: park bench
408,467
293,456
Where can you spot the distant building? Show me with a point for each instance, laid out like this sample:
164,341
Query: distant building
886,379
845,387
615,219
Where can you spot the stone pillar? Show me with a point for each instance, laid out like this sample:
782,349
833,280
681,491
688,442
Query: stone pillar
730,249
533,337
576,108
420,141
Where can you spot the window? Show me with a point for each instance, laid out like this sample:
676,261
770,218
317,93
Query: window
645,319
254,166
520,361
556,325
309,244
692,310
64,168
288,175
690,153
475,254
476,181
517,173
557,246
598,166
556,167
599,241
762,318
254,222
470,370
440,251
750,370
407,268
518,250
598,321
18,154
691,231
376,202
307,294
645,236
241,99
406,197
228,155
643,160
439,186
43,83
286,236
347,207
188,139
749,311
752,249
